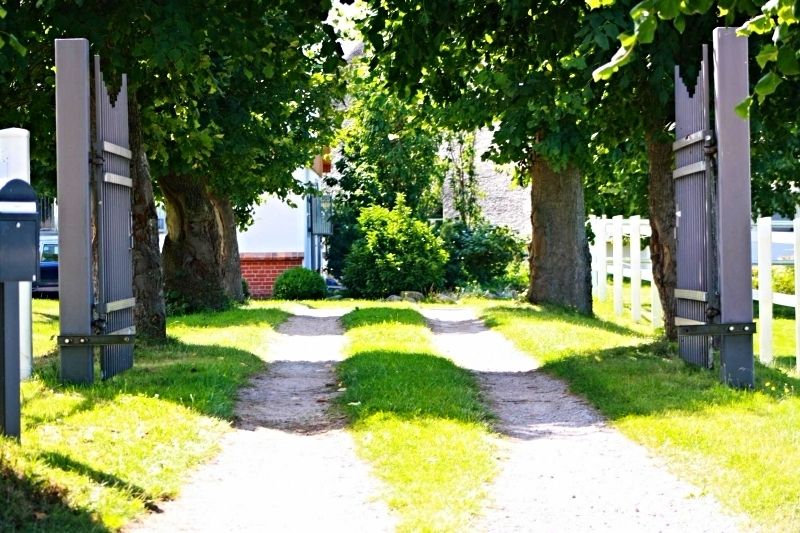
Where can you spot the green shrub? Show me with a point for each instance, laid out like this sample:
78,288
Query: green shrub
394,253
782,279
299,283
482,254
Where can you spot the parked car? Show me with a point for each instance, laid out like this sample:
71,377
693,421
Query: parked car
47,282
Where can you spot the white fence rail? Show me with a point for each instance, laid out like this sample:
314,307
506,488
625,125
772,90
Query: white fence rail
616,241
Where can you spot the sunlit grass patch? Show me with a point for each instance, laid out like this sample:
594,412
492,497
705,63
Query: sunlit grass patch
739,445
45,326
417,418
93,457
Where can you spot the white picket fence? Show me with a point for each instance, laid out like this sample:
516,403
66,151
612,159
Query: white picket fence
611,254
616,241
764,295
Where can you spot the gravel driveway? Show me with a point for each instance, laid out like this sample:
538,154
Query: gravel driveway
288,465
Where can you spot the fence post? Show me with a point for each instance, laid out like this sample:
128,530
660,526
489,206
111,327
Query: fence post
601,242
636,267
617,267
765,290
796,228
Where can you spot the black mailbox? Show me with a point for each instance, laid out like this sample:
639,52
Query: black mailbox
19,232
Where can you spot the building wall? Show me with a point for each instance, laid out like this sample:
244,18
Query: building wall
279,227
502,202
260,270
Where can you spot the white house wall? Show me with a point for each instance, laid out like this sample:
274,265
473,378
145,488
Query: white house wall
277,226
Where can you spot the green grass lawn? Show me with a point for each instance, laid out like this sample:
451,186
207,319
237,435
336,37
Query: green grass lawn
93,457
741,446
417,418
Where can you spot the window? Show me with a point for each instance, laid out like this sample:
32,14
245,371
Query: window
50,252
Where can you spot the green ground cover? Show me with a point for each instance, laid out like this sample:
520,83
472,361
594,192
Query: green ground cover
417,418
741,446
93,457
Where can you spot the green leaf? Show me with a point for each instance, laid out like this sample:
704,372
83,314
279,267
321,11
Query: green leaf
2,12
680,23
595,4
646,28
605,72
768,52
627,40
767,85
602,40
668,9
787,62
743,108
760,24
786,13
16,45
781,33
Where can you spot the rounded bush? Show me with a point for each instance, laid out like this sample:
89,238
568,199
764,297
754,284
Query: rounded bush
395,253
482,253
299,283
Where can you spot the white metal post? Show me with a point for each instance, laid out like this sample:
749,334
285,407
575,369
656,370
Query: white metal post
765,290
15,162
617,267
796,227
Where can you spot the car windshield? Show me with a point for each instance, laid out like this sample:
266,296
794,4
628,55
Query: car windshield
50,252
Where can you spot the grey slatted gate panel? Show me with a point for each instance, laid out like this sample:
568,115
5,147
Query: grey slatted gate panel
113,192
694,221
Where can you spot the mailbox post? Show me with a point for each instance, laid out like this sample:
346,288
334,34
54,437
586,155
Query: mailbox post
19,262
15,162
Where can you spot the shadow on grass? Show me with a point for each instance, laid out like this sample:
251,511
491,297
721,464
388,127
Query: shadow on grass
633,381
203,378
786,362
47,316
555,314
67,464
409,386
33,505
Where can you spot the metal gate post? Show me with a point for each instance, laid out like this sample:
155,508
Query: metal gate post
75,250
733,163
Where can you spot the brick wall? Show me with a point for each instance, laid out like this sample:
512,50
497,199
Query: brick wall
261,269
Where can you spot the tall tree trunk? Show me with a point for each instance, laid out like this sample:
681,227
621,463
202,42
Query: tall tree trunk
661,202
148,276
201,255
559,253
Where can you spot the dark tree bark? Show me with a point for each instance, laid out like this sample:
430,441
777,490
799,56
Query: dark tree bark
201,254
559,252
661,202
148,277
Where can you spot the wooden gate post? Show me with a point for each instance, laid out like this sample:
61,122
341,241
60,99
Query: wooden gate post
733,163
